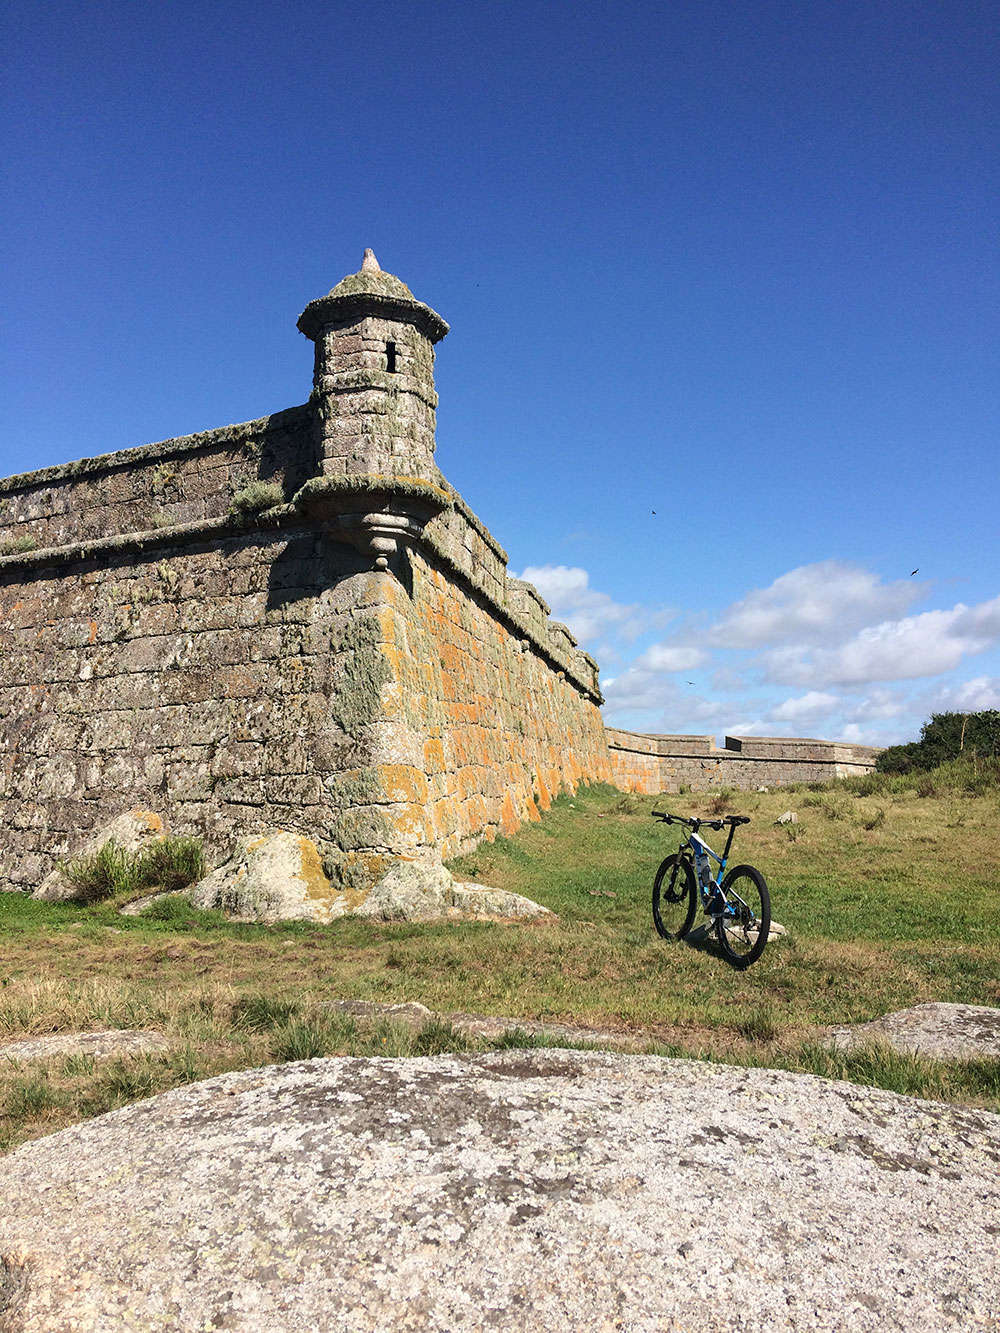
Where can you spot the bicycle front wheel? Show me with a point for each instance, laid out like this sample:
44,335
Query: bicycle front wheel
674,898
742,929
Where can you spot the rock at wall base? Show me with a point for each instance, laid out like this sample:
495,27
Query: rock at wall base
276,876
130,832
279,876
418,891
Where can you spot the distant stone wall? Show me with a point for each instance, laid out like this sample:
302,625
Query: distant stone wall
654,764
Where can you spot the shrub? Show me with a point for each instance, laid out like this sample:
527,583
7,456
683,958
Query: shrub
945,736
18,546
836,807
255,497
758,1024
437,1037
172,863
167,863
101,875
719,804
302,1041
30,1096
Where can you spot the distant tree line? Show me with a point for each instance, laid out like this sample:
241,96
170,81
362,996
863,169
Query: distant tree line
945,736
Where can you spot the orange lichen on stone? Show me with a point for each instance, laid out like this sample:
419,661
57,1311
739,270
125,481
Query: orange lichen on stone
317,882
401,782
433,756
410,824
508,816
150,818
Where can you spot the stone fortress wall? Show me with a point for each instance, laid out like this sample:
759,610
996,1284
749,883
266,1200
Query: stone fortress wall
654,764
295,622
298,623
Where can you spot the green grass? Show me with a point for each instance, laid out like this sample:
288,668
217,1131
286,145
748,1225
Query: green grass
889,896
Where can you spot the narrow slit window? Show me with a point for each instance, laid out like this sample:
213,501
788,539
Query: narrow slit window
390,358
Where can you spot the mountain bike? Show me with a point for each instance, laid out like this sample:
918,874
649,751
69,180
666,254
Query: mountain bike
738,902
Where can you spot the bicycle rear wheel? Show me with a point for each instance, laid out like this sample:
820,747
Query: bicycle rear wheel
742,929
674,898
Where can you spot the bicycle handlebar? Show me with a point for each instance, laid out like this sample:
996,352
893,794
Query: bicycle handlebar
696,824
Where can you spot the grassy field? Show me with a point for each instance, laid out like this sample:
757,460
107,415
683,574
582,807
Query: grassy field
889,892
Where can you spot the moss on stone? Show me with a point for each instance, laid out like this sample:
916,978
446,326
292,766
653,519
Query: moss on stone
259,495
375,284
358,786
18,546
360,675
290,420
361,829
371,483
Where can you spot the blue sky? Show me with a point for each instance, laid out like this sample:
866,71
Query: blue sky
732,263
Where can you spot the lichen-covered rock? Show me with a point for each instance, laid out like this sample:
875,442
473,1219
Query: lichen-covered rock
110,1043
423,891
130,832
277,876
481,900
527,1189
410,891
936,1031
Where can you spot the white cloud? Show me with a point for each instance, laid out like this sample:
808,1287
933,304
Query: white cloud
813,604
670,657
650,682
972,696
878,705
842,637
589,613
811,705
922,645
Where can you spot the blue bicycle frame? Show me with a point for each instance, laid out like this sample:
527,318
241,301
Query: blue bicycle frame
703,868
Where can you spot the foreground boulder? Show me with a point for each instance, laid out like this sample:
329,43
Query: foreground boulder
131,832
533,1189
279,876
936,1031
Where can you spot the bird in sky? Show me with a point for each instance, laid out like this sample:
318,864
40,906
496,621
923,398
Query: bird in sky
914,571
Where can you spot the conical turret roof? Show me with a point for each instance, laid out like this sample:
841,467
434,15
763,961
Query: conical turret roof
371,289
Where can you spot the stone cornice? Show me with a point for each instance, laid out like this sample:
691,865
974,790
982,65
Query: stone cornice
291,418
345,307
130,543
560,661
